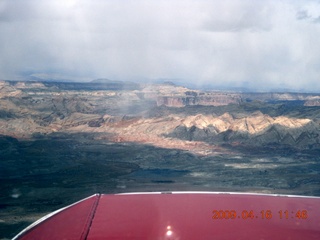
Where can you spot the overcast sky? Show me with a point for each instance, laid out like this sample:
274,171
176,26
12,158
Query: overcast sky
264,44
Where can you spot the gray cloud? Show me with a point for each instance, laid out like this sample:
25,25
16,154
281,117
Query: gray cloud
227,16
241,43
303,14
316,20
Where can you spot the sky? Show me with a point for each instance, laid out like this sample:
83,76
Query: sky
264,45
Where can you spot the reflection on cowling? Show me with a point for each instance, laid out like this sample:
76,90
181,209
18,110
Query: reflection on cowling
169,231
170,234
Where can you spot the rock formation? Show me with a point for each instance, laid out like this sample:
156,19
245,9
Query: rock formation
163,115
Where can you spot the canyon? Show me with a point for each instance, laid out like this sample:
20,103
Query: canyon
163,115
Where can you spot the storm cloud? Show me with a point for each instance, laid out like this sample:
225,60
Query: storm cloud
255,44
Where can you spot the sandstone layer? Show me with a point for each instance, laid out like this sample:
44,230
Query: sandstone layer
164,115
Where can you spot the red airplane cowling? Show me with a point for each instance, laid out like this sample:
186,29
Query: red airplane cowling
180,216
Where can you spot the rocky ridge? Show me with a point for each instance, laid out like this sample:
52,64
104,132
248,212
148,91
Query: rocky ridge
166,115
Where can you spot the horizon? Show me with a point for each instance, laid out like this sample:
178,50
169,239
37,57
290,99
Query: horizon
208,87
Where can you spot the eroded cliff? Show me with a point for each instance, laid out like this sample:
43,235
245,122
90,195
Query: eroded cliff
169,116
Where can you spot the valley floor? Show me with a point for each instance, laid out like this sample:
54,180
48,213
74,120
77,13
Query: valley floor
40,176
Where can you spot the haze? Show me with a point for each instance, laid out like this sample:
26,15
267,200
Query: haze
263,45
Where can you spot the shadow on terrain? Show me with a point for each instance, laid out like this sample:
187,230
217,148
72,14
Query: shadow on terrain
43,174
294,109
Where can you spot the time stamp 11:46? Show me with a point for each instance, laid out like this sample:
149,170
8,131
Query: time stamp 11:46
262,214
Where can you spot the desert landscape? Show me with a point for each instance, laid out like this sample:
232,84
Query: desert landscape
63,141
